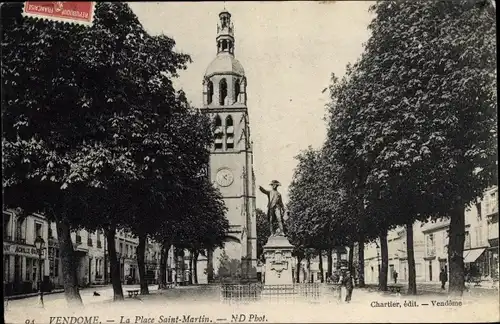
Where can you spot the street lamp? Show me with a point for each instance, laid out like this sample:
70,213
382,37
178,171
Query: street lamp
40,245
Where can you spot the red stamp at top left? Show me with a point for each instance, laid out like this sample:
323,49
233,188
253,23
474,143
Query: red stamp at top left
78,12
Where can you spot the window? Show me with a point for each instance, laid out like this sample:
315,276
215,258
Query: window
51,234
218,133
493,202
229,133
210,92
78,238
121,248
126,250
467,240
431,247
236,90
222,91
38,230
224,45
479,236
28,268
89,240
6,227
98,239
20,232
479,211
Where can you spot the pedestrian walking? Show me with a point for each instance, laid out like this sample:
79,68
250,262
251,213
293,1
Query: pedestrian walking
347,283
443,277
395,276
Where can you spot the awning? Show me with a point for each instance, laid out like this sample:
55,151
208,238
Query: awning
472,255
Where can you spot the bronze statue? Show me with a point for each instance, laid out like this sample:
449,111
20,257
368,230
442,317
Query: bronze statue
275,208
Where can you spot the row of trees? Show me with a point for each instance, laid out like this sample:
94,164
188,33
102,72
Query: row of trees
95,136
411,134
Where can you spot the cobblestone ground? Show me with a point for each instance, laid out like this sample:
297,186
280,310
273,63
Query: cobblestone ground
202,304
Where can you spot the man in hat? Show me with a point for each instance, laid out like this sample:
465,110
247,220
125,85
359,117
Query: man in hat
347,283
275,207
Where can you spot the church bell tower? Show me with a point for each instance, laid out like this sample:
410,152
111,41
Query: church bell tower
231,159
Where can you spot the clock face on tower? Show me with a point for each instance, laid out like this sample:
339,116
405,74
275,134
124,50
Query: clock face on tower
225,177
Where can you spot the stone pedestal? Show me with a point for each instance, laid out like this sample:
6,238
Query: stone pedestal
278,255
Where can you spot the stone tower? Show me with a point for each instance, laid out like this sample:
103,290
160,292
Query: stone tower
231,160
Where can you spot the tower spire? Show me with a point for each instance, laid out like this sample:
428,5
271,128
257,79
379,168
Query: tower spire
225,33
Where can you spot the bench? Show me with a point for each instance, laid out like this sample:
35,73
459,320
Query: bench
133,293
475,280
394,288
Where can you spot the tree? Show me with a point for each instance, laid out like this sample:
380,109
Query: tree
203,225
263,232
397,123
83,135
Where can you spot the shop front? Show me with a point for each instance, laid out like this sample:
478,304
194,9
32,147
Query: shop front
21,268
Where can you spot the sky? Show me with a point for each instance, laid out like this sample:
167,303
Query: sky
288,50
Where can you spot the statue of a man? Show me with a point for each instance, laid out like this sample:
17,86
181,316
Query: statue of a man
275,208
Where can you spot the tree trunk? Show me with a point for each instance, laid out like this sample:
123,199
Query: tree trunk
68,258
141,249
321,271
308,268
412,276
162,276
351,259
190,279
329,260
361,262
299,260
114,264
456,251
339,263
195,267
382,276
210,266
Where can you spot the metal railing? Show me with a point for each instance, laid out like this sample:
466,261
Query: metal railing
308,292
241,292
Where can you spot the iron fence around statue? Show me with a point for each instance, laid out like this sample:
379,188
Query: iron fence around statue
304,292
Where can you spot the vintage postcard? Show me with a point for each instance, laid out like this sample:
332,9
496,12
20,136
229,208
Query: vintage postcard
249,162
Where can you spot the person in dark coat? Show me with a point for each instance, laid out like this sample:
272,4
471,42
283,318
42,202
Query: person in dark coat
443,277
395,276
347,283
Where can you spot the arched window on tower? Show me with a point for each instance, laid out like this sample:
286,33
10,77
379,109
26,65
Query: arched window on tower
222,91
224,45
236,90
218,133
229,133
210,91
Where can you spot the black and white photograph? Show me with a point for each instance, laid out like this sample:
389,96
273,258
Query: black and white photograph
249,162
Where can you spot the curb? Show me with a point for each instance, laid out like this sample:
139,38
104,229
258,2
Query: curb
15,297
55,291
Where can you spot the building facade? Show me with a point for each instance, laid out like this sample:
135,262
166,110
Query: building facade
397,256
431,246
21,261
231,160
21,258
